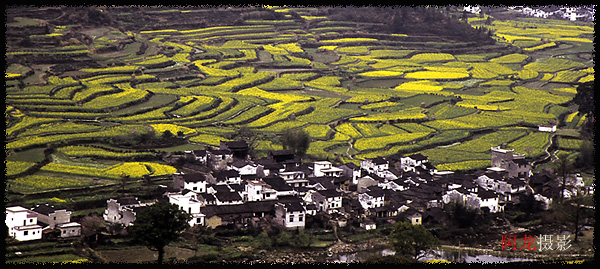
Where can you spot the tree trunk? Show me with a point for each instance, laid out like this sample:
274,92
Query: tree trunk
161,255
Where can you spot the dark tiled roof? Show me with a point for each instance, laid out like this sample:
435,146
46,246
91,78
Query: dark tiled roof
228,196
326,182
330,193
418,157
44,209
127,201
294,206
379,161
236,144
194,177
277,183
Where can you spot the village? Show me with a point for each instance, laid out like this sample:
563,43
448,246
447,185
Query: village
225,186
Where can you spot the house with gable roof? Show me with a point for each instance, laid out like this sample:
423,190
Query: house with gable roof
373,198
58,219
374,165
352,171
507,160
280,186
196,182
225,176
49,215
328,201
290,214
243,167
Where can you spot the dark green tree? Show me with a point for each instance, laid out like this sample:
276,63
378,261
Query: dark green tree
585,100
297,141
158,225
586,156
463,215
167,134
302,239
412,240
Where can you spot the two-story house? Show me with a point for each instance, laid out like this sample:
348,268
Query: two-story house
258,190
410,163
290,215
195,182
374,165
352,171
219,158
371,199
188,201
514,164
59,219
325,169
490,200
200,155
49,215
294,177
328,201
22,224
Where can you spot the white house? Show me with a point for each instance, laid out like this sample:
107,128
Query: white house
395,185
371,199
472,9
325,168
244,167
229,198
69,229
59,219
374,165
327,200
549,128
49,215
291,215
280,186
352,171
294,178
409,163
490,200
195,182
22,224
257,190
188,202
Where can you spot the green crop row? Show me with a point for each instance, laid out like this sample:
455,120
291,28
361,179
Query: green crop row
85,151
379,142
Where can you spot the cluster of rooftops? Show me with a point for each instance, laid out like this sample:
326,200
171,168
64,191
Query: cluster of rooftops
226,186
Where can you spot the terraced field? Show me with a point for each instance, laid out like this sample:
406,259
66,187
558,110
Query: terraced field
358,95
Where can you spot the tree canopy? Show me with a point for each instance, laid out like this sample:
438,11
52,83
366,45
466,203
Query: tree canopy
296,140
158,225
585,98
412,240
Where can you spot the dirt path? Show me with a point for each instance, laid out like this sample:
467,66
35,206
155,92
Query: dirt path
548,153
